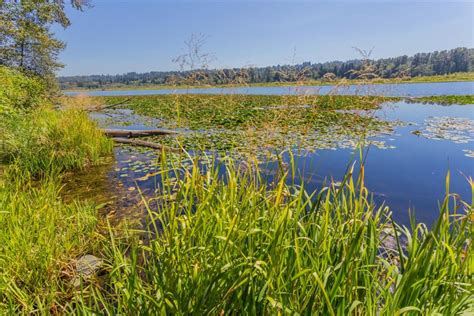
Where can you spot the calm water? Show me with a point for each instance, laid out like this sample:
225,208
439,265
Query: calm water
411,175
402,89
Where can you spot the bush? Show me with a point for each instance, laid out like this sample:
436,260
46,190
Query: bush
19,91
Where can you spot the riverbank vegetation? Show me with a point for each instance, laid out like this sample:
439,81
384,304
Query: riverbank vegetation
39,139
230,241
243,246
40,234
240,245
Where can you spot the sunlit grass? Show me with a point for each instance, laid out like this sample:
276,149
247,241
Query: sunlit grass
43,139
247,247
39,238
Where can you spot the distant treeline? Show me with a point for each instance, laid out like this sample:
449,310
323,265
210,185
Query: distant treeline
444,62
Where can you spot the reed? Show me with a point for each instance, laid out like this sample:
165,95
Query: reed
232,243
43,140
40,236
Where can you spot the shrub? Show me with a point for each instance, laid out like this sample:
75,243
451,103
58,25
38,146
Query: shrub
20,92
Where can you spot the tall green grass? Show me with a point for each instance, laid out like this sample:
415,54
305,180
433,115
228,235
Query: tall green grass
216,243
39,238
43,140
40,235
241,246
38,139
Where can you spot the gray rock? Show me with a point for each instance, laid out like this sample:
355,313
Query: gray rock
86,267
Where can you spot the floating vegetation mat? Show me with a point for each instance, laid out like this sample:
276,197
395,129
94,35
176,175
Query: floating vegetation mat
249,124
259,124
123,117
255,142
468,153
459,130
445,99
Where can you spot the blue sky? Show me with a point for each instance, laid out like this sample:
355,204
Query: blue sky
144,35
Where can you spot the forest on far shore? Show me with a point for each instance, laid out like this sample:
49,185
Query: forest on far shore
444,62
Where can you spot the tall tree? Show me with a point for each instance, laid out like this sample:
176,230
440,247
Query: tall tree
26,42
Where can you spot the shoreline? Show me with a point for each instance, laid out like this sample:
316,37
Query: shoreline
468,77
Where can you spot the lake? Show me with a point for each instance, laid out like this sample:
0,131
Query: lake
408,173
401,89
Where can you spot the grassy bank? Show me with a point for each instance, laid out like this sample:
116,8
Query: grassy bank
38,140
45,140
242,246
41,236
456,77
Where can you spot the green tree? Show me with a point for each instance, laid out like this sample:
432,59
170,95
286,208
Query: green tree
26,42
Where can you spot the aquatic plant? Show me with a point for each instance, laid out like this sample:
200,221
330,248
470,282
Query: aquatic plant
445,99
248,123
459,130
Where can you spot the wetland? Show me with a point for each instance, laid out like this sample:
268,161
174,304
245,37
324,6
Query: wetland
408,146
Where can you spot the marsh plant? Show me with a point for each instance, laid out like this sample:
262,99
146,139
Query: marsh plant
229,242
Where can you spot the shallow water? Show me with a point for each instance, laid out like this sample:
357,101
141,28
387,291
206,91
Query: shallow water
401,89
407,174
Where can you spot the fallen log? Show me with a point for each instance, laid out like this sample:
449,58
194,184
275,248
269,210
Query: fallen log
142,143
136,133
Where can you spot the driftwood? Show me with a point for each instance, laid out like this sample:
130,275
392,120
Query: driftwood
123,136
142,143
136,133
